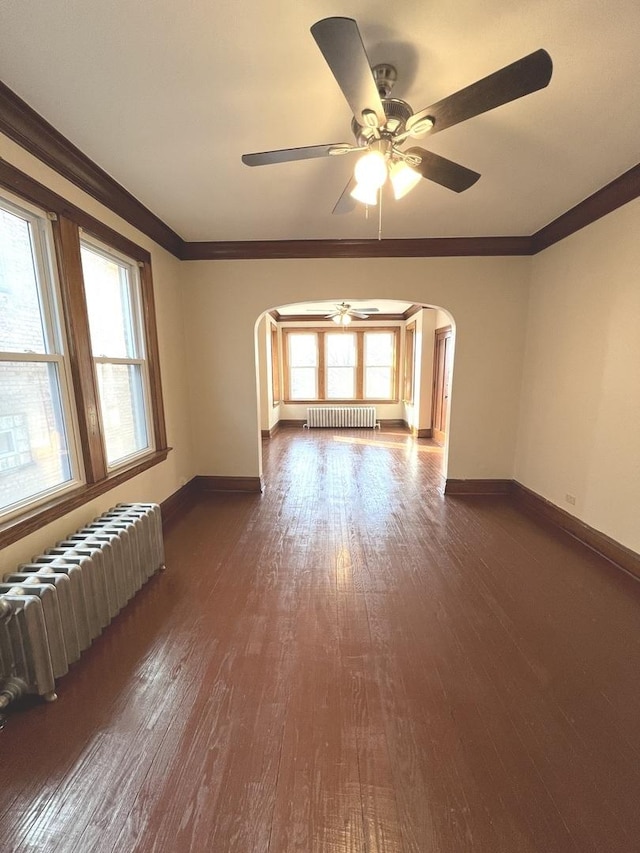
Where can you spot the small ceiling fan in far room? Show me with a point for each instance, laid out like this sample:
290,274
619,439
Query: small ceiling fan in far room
382,125
344,313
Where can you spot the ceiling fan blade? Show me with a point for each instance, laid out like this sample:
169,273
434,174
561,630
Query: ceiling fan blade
331,316
445,172
346,203
522,77
341,45
369,310
286,155
359,315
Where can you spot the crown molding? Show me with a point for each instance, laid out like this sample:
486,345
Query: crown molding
427,247
28,188
619,192
411,310
25,126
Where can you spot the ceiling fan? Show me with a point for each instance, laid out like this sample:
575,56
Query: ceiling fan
345,313
382,125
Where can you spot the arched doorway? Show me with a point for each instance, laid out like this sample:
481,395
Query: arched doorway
422,382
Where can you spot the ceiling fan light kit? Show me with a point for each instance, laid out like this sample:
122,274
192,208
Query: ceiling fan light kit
381,124
365,194
403,179
342,319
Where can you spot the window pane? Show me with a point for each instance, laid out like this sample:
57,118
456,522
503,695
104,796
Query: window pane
123,410
341,383
378,348
107,287
34,451
303,350
377,383
303,383
20,315
341,350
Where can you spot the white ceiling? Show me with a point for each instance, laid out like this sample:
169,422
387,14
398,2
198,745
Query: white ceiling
166,96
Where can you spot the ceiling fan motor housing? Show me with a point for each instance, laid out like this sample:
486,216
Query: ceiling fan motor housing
397,112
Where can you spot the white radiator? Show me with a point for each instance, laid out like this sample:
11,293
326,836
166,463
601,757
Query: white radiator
52,608
341,416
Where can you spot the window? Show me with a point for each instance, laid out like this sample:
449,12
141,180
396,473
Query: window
112,290
379,361
341,365
80,391
359,364
38,455
303,366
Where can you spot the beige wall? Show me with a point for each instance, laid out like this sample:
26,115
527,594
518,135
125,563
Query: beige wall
164,479
487,298
580,413
424,379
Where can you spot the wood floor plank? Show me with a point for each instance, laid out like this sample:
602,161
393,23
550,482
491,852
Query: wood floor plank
347,663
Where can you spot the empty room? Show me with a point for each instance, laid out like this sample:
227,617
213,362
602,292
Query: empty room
319,445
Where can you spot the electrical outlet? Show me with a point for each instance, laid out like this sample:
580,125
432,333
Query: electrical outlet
570,499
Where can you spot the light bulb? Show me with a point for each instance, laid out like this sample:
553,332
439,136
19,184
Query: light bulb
371,170
365,194
403,179
342,319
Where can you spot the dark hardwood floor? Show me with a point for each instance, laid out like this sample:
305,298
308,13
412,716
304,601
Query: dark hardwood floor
349,662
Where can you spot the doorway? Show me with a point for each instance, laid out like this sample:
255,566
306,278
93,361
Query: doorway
442,362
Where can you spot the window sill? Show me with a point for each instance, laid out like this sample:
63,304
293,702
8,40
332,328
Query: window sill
33,520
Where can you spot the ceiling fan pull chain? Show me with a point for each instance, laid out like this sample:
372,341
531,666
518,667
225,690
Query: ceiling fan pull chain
380,215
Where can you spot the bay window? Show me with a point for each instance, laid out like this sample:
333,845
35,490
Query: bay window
323,365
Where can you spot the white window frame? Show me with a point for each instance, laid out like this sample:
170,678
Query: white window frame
55,345
393,366
142,359
330,333
290,366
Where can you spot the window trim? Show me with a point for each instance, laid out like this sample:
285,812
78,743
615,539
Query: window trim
409,363
66,221
320,332
276,383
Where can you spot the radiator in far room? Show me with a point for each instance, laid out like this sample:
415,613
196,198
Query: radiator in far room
341,416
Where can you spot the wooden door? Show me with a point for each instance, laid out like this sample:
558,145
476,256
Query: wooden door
442,382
